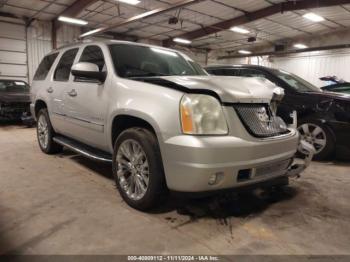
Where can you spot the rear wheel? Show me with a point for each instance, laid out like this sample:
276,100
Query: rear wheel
138,169
319,136
45,134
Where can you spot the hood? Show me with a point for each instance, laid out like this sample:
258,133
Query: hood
11,97
229,89
325,95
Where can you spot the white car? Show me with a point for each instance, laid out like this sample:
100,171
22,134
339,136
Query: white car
161,120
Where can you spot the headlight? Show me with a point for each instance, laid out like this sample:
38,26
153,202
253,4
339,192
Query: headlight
202,115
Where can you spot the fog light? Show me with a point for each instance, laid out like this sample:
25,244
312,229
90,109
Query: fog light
215,178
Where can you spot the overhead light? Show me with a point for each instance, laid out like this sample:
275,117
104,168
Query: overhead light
300,46
130,2
72,20
182,41
239,30
244,52
313,17
92,32
163,51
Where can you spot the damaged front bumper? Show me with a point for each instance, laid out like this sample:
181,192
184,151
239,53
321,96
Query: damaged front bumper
299,165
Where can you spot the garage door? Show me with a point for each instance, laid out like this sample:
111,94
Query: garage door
13,55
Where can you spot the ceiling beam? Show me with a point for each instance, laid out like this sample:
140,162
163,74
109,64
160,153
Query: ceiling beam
259,14
283,53
147,14
79,5
74,9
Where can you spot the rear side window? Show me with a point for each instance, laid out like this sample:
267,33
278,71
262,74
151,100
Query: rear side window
93,54
45,66
64,66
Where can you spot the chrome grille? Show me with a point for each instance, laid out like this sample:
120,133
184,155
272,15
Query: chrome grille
273,168
259,120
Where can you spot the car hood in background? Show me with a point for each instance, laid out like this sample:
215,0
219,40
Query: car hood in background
11,97
229,89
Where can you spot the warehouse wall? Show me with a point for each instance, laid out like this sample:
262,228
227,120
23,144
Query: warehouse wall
312,66
13,51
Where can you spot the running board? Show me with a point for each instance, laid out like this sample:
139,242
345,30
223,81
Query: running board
82,149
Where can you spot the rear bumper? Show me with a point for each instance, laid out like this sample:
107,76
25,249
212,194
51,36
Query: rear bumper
190,162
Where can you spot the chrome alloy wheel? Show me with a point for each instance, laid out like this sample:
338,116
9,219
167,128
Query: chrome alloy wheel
132,169
43,131
314,135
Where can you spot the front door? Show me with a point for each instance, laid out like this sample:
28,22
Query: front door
86,103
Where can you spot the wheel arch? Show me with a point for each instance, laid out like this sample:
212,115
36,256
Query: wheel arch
39,104
123,121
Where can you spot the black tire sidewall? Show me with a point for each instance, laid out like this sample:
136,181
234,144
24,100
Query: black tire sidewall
52,147
156,186
329,149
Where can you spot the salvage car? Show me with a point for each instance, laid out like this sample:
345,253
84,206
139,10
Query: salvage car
15,100
323,117
161,120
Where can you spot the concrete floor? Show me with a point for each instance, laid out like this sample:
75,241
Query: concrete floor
66,204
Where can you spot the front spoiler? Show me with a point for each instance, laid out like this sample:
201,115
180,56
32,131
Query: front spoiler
299,165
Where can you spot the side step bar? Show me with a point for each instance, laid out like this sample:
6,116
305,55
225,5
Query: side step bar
87,151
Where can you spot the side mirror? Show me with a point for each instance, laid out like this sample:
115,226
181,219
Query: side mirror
88,71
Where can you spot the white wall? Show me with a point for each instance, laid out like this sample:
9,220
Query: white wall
13,50
313,65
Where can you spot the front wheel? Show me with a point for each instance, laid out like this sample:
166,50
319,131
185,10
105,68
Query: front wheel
138,169
319,136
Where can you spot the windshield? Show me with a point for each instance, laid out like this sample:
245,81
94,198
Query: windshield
13,86
296,82
141,61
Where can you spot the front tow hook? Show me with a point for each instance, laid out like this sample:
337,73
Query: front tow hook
299,164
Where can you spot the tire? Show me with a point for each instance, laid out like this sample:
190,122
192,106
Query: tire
139,169
45,134
315,132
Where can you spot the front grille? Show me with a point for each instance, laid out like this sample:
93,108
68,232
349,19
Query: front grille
259,120
273,168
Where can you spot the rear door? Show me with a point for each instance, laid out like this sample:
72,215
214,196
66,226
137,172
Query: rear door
86,102
57,88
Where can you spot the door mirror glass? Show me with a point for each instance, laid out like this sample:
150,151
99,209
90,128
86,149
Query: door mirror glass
85,71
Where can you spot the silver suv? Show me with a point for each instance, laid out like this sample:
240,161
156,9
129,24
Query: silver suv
161,120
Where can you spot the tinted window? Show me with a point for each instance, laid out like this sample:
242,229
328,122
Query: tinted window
63,68
44,67
141,61
93,54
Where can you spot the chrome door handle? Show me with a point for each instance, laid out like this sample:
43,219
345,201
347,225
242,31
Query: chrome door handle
49,90
72,93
